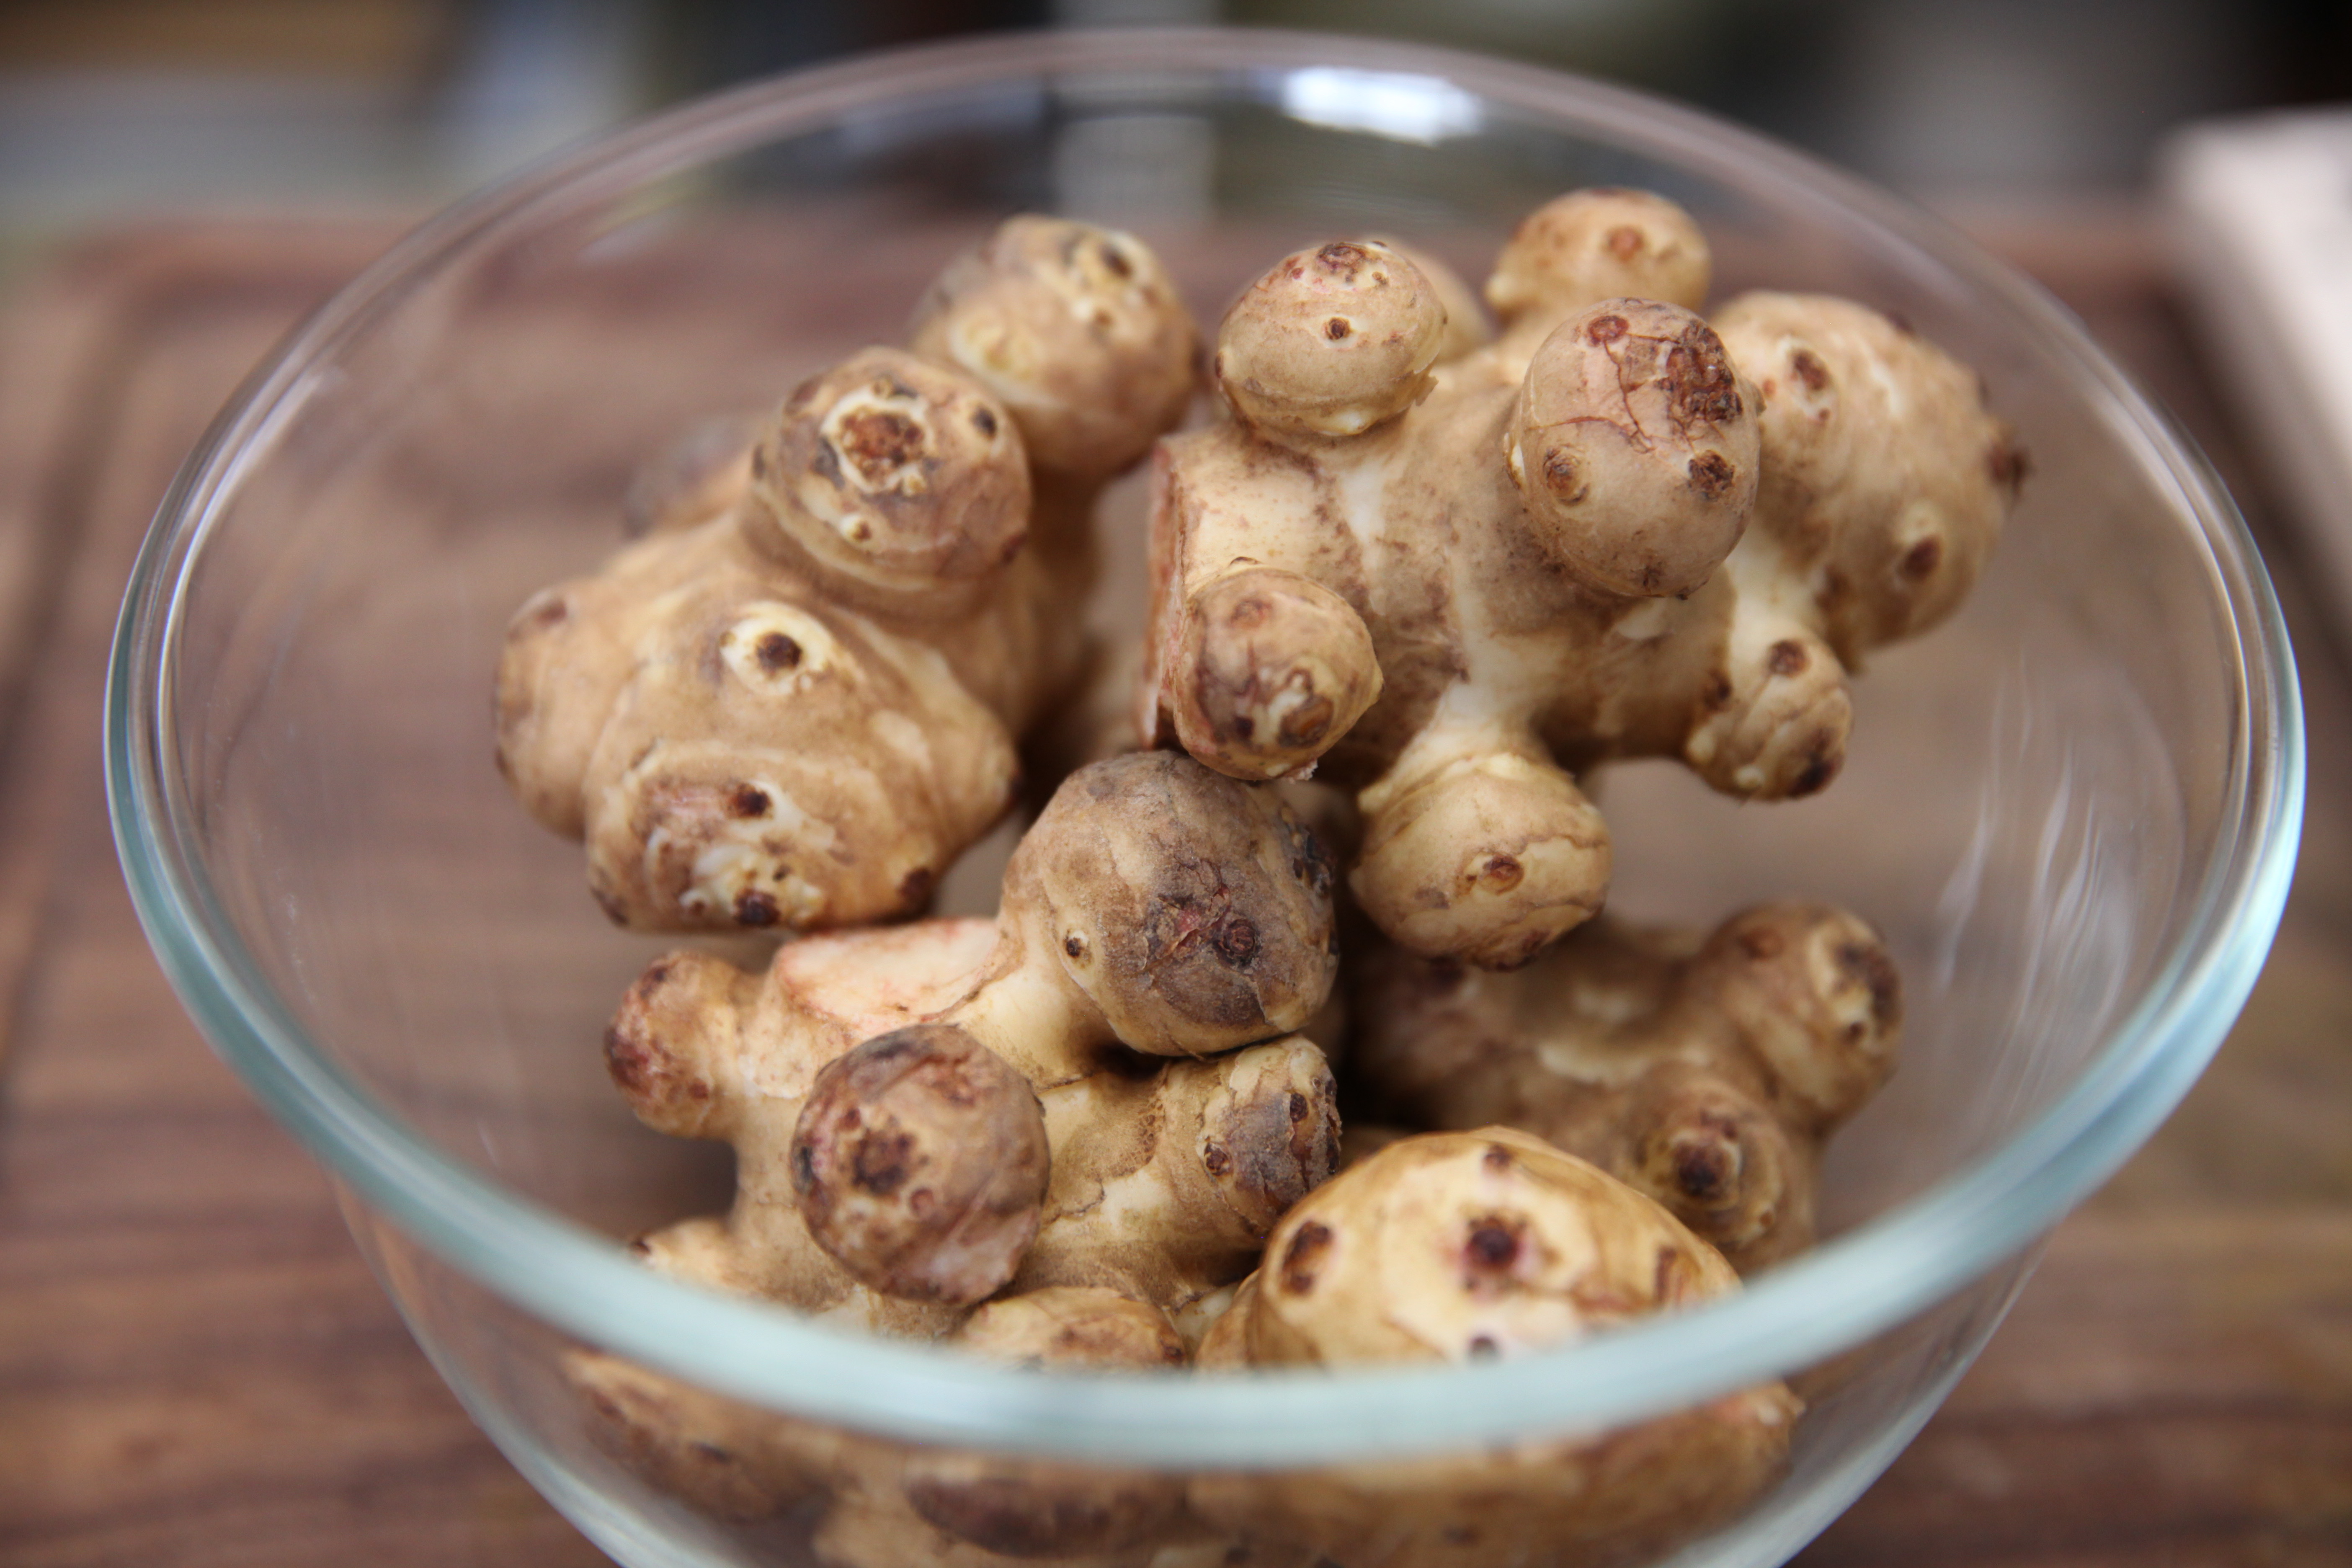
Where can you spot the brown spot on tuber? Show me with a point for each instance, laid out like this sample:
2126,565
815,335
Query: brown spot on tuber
1494,1244
879,441
984,422
1074,945
1711,474
1822,760
1869,963
1303,1255
1335,327
1214,1157
1116,264
881,1162
1624,242
1715,692
1341,257
634,1066
748,800
916,886
1564,478
1787,656
1502,873
1606,329
777,653
1307,724
1810,369
1496,1159
1922,559
1699,381
1703,1170
757,910
1235,941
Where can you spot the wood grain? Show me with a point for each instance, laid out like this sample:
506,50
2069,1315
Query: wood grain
195,1368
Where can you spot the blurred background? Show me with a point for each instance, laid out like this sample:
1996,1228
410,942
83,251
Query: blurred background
122,108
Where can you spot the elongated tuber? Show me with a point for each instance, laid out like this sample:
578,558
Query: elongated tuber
1704,1074
1449,583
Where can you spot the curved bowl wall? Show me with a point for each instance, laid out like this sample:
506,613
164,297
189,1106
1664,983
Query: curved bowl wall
2072,810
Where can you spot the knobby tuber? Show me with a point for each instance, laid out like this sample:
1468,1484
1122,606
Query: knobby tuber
1443,567
886,1504
797,701
1615,531
1706,1074
1466,1247
1100,1087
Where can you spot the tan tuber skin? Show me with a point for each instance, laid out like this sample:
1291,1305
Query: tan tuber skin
1704,1074
1094,1103
1459,1246
1101,1088
885,1503
797,701
1449,583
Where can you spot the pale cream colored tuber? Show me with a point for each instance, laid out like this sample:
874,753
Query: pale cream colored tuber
1468,1246
1704,1074
1887,479
798,700
1601,243
925,1115
1077,330
1450,583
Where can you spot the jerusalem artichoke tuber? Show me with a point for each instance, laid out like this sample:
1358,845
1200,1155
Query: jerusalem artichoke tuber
1463,1246
797,701
1449,583
1705,1075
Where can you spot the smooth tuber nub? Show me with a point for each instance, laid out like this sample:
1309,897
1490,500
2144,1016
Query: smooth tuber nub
919,1163
1634,445
1331,342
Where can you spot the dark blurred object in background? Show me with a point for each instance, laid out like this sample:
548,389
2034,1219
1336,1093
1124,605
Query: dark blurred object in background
116,107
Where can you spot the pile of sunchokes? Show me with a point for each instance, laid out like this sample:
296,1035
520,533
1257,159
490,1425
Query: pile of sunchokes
1444,567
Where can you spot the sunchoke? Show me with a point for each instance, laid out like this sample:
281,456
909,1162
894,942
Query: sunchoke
797,706
1704,1074
1448,583
925,1115
1463,1246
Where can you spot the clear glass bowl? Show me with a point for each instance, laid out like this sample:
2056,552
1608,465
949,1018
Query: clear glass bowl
2072,811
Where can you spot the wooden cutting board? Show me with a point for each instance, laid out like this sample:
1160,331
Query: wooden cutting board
195,1368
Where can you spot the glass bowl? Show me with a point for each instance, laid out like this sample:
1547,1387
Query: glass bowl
2072,811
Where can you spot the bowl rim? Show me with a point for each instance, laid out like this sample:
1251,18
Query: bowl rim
1883,1271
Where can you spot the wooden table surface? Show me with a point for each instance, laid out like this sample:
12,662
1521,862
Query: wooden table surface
196,1368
